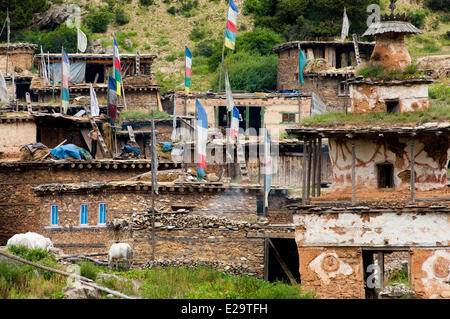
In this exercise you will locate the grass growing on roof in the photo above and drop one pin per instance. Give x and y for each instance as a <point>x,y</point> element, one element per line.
<point>437,111</point>
<point>143,115</point>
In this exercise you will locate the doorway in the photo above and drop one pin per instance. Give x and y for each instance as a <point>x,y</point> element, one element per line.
<point>92,70</point>
<point>281,260</point>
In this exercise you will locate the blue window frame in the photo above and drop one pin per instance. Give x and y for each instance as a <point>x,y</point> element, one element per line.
<point>84,215</point>
<point>102,213</point>
<point>54,215</point>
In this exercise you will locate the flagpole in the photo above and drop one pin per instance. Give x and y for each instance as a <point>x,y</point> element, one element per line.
<point>153,187</point>
<point>8,30</point>
<point>223,52</point>
<point>62,49</point>
<point>228,132</point>
<point>298,94</point>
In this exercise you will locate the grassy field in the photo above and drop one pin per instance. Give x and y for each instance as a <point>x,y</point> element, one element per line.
<point>20,281</point>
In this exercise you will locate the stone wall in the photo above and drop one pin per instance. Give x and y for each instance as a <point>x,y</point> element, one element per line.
<point>273,105</point>
<point>332,272</point>
<point>14,134</point>
<point>431,155</point>
<point>367,98</point>
<point>20,56</point>
<point>430,271</point>
<point>213,227</point>
<point>18,202</point>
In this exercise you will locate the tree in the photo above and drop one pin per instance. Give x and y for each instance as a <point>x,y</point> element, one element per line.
<point>21,12</point>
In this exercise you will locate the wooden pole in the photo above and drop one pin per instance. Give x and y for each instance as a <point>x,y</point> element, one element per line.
<point>314,167</point>
<point>298,83</point>
<point>308,183</point>
<point>380,258</point>
<point>54,147</point>
<point>353,173</point>
<point>304,171</point>
<point>282,263</point>
<point>413,177</point>
<point>153,188</point>
<point>223,53</point>
<point>319,173</point>
<point>8,31</point>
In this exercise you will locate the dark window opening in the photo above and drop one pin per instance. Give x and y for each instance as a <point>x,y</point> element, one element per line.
<point>288,252</point>
<point>92,70</point>
<point>254,118</point>
<point>385,174</point>
<point>21,91</point>
<point>392,107</point>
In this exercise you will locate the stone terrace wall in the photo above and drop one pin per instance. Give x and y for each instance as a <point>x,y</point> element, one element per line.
<point>18,202</point>
<point>215,232</point>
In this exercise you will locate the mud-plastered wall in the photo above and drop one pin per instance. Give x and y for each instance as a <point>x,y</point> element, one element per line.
<point>431,156</point>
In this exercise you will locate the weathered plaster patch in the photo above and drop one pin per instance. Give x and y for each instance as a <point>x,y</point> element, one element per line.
<point>329,265</point>
<point>406,229</point>
<point>437,272</point>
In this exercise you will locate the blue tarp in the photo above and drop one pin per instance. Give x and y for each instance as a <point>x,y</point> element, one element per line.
<point>166,146</point>
<point>77,72</point>
<point>128,149</point>
<point>70,150</point>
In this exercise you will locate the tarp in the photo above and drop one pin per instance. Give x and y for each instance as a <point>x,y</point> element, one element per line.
<point>70,150</point>
<point>166,146</point>
<point>77,72</point>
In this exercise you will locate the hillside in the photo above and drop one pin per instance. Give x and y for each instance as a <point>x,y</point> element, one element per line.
<point>163,27</point>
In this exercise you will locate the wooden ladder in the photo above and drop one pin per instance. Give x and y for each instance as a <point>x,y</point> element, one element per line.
<point>241,161</point>
<point>106,152</point>
<point>355,44</point>
<point>131,133</point>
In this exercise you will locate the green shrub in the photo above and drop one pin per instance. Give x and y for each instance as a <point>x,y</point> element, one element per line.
<point>98,19</point>
<point>418,18</point>
<point>197,34</point>
<point>443,5</point>
<point>21,12</point>
<point>28,254</point>
<point>371,71</point>
<point>121,17</point>
<point>146,3</point>
<point>250,72</point>
<point>439,91</point>
<point>172,10</point>
<point>204,48</point>
<point>88,270</point>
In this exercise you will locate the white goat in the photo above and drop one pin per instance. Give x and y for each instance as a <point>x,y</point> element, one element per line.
<point>31,241</point>
<point>119,251</point>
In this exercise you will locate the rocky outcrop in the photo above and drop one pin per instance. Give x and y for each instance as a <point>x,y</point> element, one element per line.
<point>53,17</point>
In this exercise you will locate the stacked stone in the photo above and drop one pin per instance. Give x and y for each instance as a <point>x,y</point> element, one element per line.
<point>229,268</point>
<point>179,220</point>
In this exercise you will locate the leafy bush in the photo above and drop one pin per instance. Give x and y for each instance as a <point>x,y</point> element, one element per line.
<point>439,91</point>
<point>21,12</point>
<point>88,270</point>
<point>250,72</point>
<point>418,18</point>
<point>121,17</point>
<point>172,10</point>
<point>443,5</point>
<point>146,3</point>
<point>204,48</point>
<point>98,19</point>
<point>380,73</point>
<point>197,34</point>
<point>28,254</point>
<point>306,19</point>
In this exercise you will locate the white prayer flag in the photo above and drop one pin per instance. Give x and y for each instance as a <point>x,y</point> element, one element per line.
<point>174,124</point>
<point>3,89</point>
<point>95,111</point>
<point>345,26</point>
<point>82,40</point>
<point>229,96</point>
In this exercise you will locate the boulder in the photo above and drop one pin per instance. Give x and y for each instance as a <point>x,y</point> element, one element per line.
<point>80,291</point>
